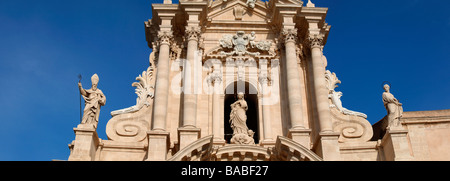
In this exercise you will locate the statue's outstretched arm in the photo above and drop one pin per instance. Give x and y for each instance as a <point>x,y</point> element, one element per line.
<point>82,91</point>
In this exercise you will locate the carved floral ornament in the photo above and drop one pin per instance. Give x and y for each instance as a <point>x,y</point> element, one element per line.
<point>289,34</point>
<point>165,37</point>
<point>315,40</point>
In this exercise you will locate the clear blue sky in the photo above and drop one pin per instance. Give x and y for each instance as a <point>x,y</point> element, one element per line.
<point>45,44</point>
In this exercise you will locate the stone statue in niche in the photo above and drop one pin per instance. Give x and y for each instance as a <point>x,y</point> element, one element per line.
<point>238,122</point>
<point>394,108</point>
<point>94,99</point>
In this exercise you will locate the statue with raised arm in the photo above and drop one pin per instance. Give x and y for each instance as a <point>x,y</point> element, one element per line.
<point>238,122</point>
<point>394,108</point>
<point>94,99</point>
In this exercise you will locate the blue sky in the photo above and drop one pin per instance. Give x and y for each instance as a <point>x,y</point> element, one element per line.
<point>45,44</point>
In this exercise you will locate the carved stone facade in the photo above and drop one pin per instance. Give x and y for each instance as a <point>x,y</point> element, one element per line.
<point>205,52</point>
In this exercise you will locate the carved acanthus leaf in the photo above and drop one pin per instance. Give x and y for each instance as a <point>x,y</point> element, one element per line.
<point>315,40</point>
<point>144,90</point>
<point>193,32</point>
<point>165,37</point>
<point>289,34</point>
<point>335,97</point>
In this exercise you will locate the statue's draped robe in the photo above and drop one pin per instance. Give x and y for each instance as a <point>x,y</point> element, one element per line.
<point>238,118</point>
<point>393,107</point>
<point>93,101</point>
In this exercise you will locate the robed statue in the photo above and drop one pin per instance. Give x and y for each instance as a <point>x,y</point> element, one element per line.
<point>94,99</point>
<point>238,122</point>
<point>394,108</point>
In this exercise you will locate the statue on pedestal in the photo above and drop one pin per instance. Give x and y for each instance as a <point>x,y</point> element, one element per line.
<point>394,108</point>
<point>238,122</point>
<point>94,99</point>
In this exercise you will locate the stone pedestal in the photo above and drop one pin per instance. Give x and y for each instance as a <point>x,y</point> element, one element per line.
<point>328,147</point>
<point>395,145</point>
<point>301,136</point>
<point>85,144</point>
<point>187,136</point>
<point>158,145</point>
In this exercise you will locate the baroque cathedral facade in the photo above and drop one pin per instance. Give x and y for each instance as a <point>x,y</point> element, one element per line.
<point>247,80</point>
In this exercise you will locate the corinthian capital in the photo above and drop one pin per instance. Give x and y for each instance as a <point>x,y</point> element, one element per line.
<point>165,37</point>
<point>289,34</point>
<point>315,40</point>
<point>193,32</point>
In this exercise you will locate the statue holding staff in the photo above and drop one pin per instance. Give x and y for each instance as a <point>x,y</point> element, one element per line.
<point>94,99</point>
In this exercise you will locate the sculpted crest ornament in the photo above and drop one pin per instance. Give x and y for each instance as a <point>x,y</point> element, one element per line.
<point>240,43</point>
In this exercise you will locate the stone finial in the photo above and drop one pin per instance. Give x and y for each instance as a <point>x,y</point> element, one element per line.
<point>310,4</point>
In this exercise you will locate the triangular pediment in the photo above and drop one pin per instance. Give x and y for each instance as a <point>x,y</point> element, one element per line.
<point>239,11</point>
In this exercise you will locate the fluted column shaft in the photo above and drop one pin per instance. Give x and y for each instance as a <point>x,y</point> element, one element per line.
<point>162,82</point>
<point>293,79</point>
<point>318,65</point>
<point>190,96</point>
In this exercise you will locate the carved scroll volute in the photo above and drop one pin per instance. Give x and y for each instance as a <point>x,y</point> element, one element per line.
<point>131,124</point>
<point>352,128</point>
<point>131,127</point>
<point>352,125</point>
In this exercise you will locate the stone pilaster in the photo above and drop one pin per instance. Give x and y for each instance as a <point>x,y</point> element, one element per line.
<point>159,143</point>
<point>216,82</point>
<point>264,81</point>
<point>395,145</point>
<point>328,148</point>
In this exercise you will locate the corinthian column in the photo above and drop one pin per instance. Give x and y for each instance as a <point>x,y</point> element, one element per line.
<point>318,66</point>
<point>162,82</point>
<point>190,96</point>
<point>293,79</point>
<point>188,133</point>
<point>158,137</point>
